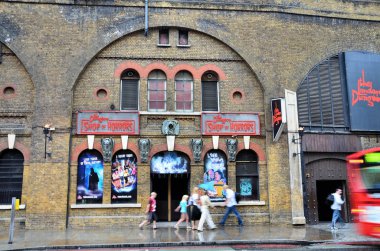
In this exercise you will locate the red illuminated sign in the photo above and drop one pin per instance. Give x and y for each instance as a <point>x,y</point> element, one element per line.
<point>230,124</point>
<point>365,92</point>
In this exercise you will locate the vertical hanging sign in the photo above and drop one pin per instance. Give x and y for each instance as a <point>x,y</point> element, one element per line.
<point>278,117</point>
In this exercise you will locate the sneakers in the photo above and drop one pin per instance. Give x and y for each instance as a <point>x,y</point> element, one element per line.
<point>333,228</point>
<point>188,227</point>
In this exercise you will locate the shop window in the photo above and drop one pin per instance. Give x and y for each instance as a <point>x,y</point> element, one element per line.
<point>163,37</point>
<point>11,175</point>
<point>183,38</point>
<point>124,177</point>
<point>157,91</point>
<point>215,174</point>
<point>321,97</point>
<point>129,90</point>
<point>90,178</point>
<point>184,92</point>
<point>247,175</point>
<point>210,97</point>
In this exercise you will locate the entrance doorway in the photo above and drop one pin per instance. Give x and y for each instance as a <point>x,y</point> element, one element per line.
<point>169,188</point>
<point>324,188</point>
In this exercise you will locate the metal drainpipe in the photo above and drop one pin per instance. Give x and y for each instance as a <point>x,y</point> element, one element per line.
<point>146,18</point>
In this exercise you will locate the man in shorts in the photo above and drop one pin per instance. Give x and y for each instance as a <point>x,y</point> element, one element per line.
<point>150,211</point>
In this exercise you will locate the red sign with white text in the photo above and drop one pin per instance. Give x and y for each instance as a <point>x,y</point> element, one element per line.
<point>115,123</point>
<point>230,124</point>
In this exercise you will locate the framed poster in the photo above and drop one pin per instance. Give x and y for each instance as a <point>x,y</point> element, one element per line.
<point>215,174</point>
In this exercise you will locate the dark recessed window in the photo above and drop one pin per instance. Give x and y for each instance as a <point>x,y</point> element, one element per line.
<point>101,93</point>
<point>183,37</point>
<point>9,90</point>
<point>163,38</point>
<point>247,175</point>
<point>210,97</point>
<point>129,90</point>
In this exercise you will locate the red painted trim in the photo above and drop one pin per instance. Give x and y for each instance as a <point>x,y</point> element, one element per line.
<point>209,146</point>
<point>76,151</point>
<point>129,65</point>
<point>20,147</point>
<point>8,96</point>
<point>96,93</point>
<point>186,67</point>
<point>242,100</point>
<point>177,147</point>
<point>131,146</point>
<point>254,147</point>
<point>214,68</point>
<point>158,66</point>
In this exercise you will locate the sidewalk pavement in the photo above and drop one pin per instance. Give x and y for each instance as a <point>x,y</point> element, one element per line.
<point>166,236</point>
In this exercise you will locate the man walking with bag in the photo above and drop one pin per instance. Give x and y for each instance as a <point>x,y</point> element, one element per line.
<point>231,206</point>
<point>336,207</point>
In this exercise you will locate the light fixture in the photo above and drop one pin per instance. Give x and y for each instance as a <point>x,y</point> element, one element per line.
<point>300,133</point>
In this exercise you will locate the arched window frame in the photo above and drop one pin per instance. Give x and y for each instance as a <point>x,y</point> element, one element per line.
<point>129,90</point>
<point>157,82</point>
<point>210,92</point>
<point>247,170</point>
<point>184,90</point>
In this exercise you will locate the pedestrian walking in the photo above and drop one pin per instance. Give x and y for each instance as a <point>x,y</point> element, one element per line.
<point>193,209</point>
<point>205,216</point>
<point>182,208</point>
<point>231,206</point>
<point>150,211</point>
<point>336,207</point>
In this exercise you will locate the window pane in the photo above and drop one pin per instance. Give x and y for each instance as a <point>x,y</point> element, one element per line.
<point>129,94</point>
<point>210,96</point>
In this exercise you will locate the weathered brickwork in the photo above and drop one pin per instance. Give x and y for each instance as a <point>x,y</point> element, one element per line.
<point>57,54</point>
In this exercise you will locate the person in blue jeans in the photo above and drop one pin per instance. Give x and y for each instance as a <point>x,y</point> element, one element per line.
<point>231,205</point>
<point>336,207</point>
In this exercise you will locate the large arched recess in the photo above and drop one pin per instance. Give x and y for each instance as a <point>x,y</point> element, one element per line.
<point>140,52</point>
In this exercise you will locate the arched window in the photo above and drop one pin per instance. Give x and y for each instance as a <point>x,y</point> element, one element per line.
<point>215,174</point>
<point>321,97</point>
<point>90,177</point>
<point>184,92</point>
<point>210,90</point>
<point>247,175</point>
<point>157,91</point>
<point>11,175</point>
<point>129,90</point>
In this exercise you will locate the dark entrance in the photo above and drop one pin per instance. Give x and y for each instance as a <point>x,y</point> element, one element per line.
<point>169,188</point>
<point>324,188</point>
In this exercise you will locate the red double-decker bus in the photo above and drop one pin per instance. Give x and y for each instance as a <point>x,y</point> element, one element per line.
<point>363,171</point>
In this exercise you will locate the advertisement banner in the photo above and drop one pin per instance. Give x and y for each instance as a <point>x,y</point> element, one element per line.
<point>230,124</point>
<point>215,174</point>
<point>363,89</point>
<point>115,123</point>
<point>90,178</point>
<point>170,162</point>
<point>124,177</point>
<point>278,117</point>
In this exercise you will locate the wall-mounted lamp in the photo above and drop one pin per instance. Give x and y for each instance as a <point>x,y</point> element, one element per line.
<point>47,132</point>
<point>300,133</point>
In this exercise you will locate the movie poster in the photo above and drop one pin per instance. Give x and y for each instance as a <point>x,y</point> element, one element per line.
<point>170,162</point>
<point>215,175</point>
<point>124,177</point>
<point>90,178</point>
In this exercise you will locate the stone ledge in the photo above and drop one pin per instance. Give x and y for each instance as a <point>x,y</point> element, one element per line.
<point>243,203</point>
<point>9,207</point>
<point>79,206</point>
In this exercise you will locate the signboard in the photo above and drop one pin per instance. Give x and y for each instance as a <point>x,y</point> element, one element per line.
<point>230,124</point>
<point>124,177</point>
<point>115,123</point>
<point>170,162</point>
<point>278,117</point>
<point>363,88</point>
<point>215,174</point>
<point>90,177</point>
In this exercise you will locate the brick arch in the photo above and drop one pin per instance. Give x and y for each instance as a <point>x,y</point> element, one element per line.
<point>82,147</point>
<point>177,147</point>
<point>214,68</point>
<point>254,147</point>
<point>209,146</point>
<point>131,146</point>
<point>128,65</point>
<point>157,66</point>
<point>20,147</point>
<point>186,67</point>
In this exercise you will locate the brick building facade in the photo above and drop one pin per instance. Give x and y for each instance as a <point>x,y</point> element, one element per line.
<point>60,59</point>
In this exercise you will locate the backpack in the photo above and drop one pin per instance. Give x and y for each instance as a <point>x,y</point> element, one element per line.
<point>237,197</point>
<point>330,199</point>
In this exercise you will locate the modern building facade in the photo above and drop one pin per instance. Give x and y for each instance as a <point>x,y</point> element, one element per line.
<point>103,102</point>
